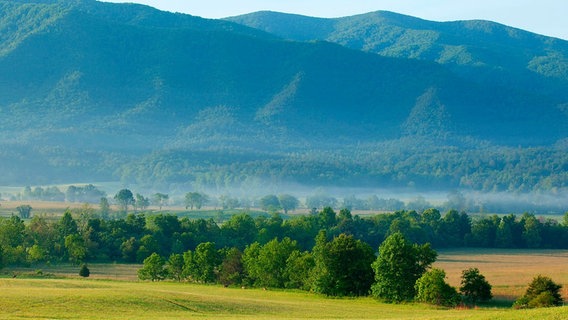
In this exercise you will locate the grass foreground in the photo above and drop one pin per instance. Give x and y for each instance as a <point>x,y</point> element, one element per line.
<point>108,299</point>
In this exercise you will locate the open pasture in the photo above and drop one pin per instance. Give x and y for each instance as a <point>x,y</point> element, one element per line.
<point>96,299</point>
<point>102,297</point>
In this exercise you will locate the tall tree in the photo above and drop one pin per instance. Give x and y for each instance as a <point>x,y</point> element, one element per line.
<point>67,225</point>
<point>195,200</point>
<point>298,270</point>
<point>124,198</point>
<point>531,232</point>
<point>104,207</point>
<point>266,264</point>
<point>231,271</point>
<point>240,230</point>
<point>76,248</point>
<point>270,203</point>
<point>202,265</point>
<point>12,232</point>
<point>288,202</point>
<point>160,199</point>
<point>141,202</point>
<point>328,218</point>
<point>342,266</point>
<point>398,266</point>
<point>24,211</point>
<point>174,267</point>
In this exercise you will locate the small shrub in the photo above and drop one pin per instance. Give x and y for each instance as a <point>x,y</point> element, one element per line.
<point>84,271</point>
<point>543,300</point>
<point>432,288</point>
<point>542,292</point>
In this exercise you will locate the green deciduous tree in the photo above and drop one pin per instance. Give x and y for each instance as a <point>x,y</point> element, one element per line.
<point>1,257</point>
<point>202,265</point>
<point>124,198</point>
<point>153,268</point>
<point>240,229</point>
<point>231,271</point>
<point>432,288</point>
<point>160,199</point>
<point>76,248</point>
<point>265,265</point>
<point>12,232</point>
<point>398,266</point>
<point>298,270</point>
<point>342,266</point>
<point>328,218</point>
<point>174,267</point>
<point>531,233</point>
<point>104,208</point>
<point>141,202</point>
<point>474,287</point>
<point>288,202</point>
<point>195,200</point>
<point>24,211</point>
<point>270,203</point>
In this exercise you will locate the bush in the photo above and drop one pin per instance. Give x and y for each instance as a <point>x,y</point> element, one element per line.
<point>544,299</point>
<point>542,292</point>
<point>84,271</point>
<point>432,288</point>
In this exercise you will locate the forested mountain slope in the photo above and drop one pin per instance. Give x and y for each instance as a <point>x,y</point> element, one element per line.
<point>482,51</point>
<point>94,91</point>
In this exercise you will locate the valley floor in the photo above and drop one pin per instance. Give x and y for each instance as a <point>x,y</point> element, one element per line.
<point>112,292</point>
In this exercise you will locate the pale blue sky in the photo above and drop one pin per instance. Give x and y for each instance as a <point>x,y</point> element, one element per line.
<point>548,17</point>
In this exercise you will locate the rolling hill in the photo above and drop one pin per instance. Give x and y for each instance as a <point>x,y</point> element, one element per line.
<point>93,91</point>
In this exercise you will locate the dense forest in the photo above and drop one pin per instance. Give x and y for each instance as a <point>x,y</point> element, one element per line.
<point>410,162</point>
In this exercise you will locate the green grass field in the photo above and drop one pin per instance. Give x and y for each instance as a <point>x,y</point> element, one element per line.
<point>112,292</point>
<point>105,299</point>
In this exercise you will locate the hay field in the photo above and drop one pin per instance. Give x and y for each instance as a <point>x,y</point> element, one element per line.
<point>509,271</point>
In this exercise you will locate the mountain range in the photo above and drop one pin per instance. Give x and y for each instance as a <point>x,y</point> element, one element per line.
<point>94,91</point>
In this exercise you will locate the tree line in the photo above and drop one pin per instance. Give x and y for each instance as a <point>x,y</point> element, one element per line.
<point>342,266</point>
<point>86,234</point>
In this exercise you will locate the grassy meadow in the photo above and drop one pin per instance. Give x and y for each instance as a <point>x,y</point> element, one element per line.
<point>112,292</point>
<point>105,299</point>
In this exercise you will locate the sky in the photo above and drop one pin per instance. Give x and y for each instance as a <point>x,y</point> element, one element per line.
<point>547,17</point>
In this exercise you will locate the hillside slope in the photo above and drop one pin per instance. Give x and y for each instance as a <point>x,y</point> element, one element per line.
<point>89,90</point>
<point>484,51</point>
